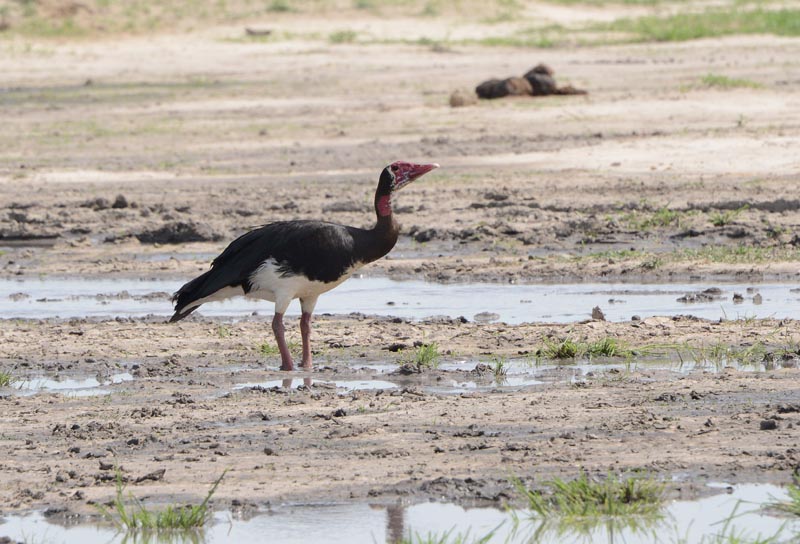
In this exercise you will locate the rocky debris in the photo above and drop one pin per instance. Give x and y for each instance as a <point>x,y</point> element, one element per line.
<point>707,295</point>
<point>538,81</point>
<point>461,98</point>
<point>597,314</point>
<point>179,232</point>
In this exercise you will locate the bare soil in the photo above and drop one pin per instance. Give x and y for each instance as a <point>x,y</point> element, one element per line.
<point>142,157</point>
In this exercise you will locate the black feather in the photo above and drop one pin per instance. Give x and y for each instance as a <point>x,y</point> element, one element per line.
<point>318,250</point>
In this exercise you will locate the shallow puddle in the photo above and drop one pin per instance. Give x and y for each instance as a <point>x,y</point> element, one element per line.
<point>485,302</point>
<point>683,521</point>
<point>76,387</point>
<point>343,385</point>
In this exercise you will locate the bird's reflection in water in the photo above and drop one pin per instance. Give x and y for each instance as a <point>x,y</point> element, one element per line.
<point>286,383</point>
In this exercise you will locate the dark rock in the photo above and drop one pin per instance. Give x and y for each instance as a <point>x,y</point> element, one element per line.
<point>768,425</point>
<point>120,202</point>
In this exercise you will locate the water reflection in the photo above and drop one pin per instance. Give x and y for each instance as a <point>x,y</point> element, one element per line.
<point>689,522</point>
<point>286,383</point>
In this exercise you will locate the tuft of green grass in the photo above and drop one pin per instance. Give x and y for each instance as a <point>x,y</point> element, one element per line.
<point>726,217</point>
<point>223,331</point>
<point>279,6</point>
<point>6,379</point>
<point>342,36</point>
<point>499,368</point>
<point>566,348</point>
<point>792,505</point>
<point>725,82</point>
<point>427,356</point>
<point>136,517</point>
<point>711,23</point>
<point>608,347</point>
<point>583,497</point>
<point>448,537</point>
<point>267,350</point>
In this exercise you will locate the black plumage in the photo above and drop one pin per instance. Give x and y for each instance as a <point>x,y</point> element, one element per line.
<point>298,259</point>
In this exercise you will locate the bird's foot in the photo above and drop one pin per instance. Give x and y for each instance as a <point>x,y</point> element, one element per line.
<point>287,365</point>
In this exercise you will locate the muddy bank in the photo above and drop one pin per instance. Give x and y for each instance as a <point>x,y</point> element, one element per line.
<point>189,410</point>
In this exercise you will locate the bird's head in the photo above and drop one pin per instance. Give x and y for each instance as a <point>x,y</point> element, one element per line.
<point>399,174</point>
<point>396,176</point>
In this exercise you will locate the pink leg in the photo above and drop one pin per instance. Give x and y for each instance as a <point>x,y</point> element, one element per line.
<point>305,333</point>
<point>278,329</point>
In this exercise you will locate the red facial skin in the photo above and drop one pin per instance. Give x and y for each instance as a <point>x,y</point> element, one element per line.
<point>404,173</point>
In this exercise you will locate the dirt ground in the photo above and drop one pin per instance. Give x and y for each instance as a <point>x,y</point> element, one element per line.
<point>143,156</point>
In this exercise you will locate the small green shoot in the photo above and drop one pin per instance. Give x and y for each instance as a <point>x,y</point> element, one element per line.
<point>726,217</point>
<point>792,505</point>
<point>448,537</point>
<point>136,517</point>
<point>223,331</point>
<point>6,379</point>
<point>279,6</point>
<point>427,356</point>
<point>342,36</point>
<point>499,369</point>
<point>268,350</point>
<point>725,82</point>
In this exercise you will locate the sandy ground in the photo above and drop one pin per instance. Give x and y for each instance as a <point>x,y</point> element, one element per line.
<point>221,134</point>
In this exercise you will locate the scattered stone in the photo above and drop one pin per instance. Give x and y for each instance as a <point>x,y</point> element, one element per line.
<point>269,451</point>
<point>120,202</point>
<point>597,314</point>
<point>155,476</point>
<point>738,298</point>
<point>768,425</point>
<point>461,98</point>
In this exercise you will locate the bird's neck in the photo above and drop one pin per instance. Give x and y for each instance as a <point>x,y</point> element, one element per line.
<point>386,230</point>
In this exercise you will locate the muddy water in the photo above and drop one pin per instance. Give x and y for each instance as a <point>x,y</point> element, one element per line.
<point>562,303</point>
<point>77,387</point>
<point>689,521</point>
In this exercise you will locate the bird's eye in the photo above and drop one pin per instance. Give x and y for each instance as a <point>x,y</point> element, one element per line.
<point>394,168</point>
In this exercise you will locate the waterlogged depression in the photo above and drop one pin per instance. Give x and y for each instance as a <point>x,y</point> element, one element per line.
<point>510,303</point>
<point>735,511</point>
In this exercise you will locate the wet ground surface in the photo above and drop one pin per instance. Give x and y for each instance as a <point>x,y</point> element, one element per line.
<point>483,302</point>
<point>114,167</point>
<point>691,520</point>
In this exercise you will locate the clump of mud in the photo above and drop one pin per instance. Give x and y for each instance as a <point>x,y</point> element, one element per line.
<point>179,232</point>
